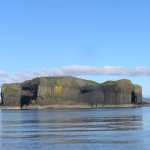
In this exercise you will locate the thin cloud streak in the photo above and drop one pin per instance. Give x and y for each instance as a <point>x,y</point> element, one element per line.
<point>75,70</point>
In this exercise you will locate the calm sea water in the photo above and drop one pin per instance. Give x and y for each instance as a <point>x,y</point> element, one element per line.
<point>85,129</point>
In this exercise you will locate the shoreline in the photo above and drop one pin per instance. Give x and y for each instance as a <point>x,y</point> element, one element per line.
<point>38,107</point>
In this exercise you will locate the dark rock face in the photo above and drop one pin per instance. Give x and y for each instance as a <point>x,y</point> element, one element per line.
<point>70,90</point>
<point>138,94</point>
<point>29,92</point>
<point>117,92</point>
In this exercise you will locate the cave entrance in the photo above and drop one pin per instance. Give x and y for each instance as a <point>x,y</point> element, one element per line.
<point>29,93</point>
<point>25,101</point>
<point>133,98</point>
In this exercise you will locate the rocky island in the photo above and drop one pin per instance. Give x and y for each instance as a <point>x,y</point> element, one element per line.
<point>49,91</point>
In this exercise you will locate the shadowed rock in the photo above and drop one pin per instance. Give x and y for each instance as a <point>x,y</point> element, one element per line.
<point>137,89</point>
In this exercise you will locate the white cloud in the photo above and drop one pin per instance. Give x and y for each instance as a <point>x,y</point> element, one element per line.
<point>75,70</point>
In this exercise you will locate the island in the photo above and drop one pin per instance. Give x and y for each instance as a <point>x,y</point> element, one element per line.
<point>70,91</point>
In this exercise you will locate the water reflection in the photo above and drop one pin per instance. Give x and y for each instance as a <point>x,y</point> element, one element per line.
<point>73,129</point>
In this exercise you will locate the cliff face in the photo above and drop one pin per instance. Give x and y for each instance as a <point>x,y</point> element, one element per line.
<point>70,90</point>
<point>10,94</point>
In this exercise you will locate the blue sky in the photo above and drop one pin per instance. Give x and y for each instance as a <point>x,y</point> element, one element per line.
<point>38,35</point>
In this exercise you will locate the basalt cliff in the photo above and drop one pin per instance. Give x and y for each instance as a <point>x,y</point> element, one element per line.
<point>70,91</point>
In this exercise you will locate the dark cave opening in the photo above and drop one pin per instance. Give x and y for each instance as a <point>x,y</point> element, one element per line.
<point>87,89</point>
<point>25,101</point>
<point>29,93</point>
<point>133,98</point>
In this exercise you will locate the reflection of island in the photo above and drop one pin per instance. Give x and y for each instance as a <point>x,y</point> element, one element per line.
<point>42,129</point>
<point>123,123</point>
<point>105,121</point>
<point>70,91</point>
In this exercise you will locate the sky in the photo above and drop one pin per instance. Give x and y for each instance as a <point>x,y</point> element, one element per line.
<point>92,39</point>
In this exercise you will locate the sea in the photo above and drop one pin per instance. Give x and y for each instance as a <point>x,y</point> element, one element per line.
<point>75,129</point>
